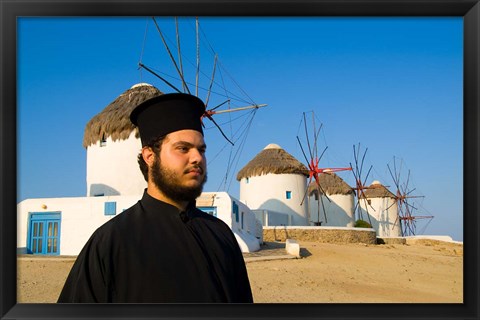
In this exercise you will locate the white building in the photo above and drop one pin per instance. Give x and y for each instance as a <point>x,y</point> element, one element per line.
<point>273,184</point>
<point>247,229</point>
<point>62,225</point>
<point>56,226</point>
<point>338,204</point>
<point>381,206</point>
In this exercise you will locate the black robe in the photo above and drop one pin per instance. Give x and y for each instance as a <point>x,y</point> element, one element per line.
<point>154,253</point>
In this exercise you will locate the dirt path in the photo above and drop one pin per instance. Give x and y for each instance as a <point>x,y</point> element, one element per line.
<point>362,273</point>
<point>425,272</point>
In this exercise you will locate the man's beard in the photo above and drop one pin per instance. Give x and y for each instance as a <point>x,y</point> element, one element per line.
<point>167,181</point>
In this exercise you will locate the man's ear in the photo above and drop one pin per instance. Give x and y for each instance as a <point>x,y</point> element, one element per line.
<point>148,155</point>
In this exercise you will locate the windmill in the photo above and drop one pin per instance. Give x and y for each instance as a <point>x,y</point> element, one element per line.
<point>189,64</point>
<point>406,207</point>
<point>313,159</point>
<point>360,183</point>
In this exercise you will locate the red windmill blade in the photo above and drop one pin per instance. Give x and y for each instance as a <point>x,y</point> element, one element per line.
<point>313,169</point>
<point>313,165</point>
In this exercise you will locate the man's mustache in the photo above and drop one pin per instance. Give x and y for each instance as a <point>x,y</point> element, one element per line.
<point>194,169</point>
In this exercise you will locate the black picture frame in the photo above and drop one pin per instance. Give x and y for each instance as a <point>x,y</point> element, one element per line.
<point>10,10</point>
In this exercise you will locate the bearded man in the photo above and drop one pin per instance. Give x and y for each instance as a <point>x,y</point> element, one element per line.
<point>163,249</point>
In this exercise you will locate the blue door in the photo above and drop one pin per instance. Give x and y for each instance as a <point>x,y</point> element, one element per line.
<point>44,233</point>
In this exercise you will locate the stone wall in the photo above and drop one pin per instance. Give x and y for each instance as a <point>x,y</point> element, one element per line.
<point>320,234</point>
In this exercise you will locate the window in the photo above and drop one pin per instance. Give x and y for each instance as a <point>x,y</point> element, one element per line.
<point>235,210</point>
<point>288,195</point>
<point>247,180</point>
<point>210,210</point>
<point>103,141</point>
<point>110,208</point>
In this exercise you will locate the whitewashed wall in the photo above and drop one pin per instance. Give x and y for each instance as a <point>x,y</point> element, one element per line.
<point>113,168</point>
<point>246,235</point>
<point>269,192</point>
<point>339,210</point>
<point>271,218</point>
<point>80,217</point>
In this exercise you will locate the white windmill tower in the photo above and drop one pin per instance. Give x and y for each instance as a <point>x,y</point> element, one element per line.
<point>275,181</point>
<point>113,143</point>
<point>380,204</point>
<point>339,210</point>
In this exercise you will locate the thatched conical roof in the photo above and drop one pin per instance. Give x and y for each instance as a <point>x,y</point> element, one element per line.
<point>377,190</point>
<point>114,120</point>
<point>331,184</point>
<point>272,159</point>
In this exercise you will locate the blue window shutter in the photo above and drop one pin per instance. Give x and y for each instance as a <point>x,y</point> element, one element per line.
<point>235,210</point>
<point>288,194</point>
<point>110,208</point>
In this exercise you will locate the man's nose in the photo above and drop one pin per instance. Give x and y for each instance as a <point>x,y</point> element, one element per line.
<point>196,156</point>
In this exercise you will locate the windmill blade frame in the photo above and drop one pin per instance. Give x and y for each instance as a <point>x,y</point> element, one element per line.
<point>360,184</point>
<point>404,207</point>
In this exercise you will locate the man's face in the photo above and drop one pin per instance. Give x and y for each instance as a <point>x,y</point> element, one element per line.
<point>180,170</point>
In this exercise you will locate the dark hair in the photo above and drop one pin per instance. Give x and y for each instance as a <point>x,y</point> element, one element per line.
<point>156,145</point>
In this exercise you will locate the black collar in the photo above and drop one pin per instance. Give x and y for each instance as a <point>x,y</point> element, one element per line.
<point>153,205</point>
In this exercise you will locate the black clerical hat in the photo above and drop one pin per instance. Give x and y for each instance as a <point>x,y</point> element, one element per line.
<point>161,115</point>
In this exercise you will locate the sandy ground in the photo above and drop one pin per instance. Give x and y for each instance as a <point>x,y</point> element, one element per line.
<point>426,272</point>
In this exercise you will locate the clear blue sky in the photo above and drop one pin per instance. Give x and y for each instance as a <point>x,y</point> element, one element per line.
<point>394,85</point>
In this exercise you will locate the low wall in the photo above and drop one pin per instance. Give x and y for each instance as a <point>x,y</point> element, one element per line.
<point>320,234</point>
